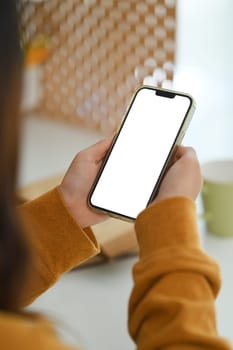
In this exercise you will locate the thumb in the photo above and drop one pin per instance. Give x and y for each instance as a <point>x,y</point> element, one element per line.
<point>97,151</point>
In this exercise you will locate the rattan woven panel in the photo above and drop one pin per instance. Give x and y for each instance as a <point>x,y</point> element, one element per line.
<point>101,51</point>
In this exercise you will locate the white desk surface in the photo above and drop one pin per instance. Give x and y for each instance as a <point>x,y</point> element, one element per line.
<point>93,301</point>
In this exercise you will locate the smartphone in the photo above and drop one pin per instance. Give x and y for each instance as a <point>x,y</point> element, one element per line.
<point>154,124</point>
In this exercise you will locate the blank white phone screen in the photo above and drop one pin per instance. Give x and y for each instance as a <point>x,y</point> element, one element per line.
<point>140,152</point>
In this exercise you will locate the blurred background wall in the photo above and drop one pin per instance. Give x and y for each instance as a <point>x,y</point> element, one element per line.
<point>203,67</point>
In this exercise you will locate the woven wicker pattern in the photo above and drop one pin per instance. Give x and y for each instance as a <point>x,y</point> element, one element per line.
<point>101,51</point>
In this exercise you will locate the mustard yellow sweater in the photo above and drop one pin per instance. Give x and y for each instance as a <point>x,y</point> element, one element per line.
<point>175,282</point>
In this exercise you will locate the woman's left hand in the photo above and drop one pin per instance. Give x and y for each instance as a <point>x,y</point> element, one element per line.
<point>78,180</point>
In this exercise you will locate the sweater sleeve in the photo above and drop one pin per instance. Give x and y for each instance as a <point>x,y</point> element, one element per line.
<point>57,242</point>
<point>172,305</point>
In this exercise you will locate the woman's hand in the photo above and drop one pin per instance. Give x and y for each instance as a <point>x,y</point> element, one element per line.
<point>182,179</point>
<point>78,180</point>
<point>184,176</point>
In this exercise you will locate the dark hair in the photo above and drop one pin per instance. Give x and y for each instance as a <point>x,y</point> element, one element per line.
<point>13,248</point>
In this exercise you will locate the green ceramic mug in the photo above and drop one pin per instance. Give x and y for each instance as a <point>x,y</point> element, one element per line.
<point>217,197</point>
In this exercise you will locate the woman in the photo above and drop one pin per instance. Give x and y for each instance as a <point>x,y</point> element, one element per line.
<point>172,302</point>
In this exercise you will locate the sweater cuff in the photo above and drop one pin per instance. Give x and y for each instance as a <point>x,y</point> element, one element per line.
<point>169,222</point>
<point>55,236</point>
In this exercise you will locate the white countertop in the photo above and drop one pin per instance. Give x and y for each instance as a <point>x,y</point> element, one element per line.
<point>93,301</point>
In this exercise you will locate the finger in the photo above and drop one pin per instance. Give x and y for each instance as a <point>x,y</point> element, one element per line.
<point>180,152</point>
<point>97,151</point>
<point>189,152</point>
<point>183,151</point>
<point>177,155</point>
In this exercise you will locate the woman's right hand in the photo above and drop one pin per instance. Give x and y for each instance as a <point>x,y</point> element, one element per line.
<point>183,178</point>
